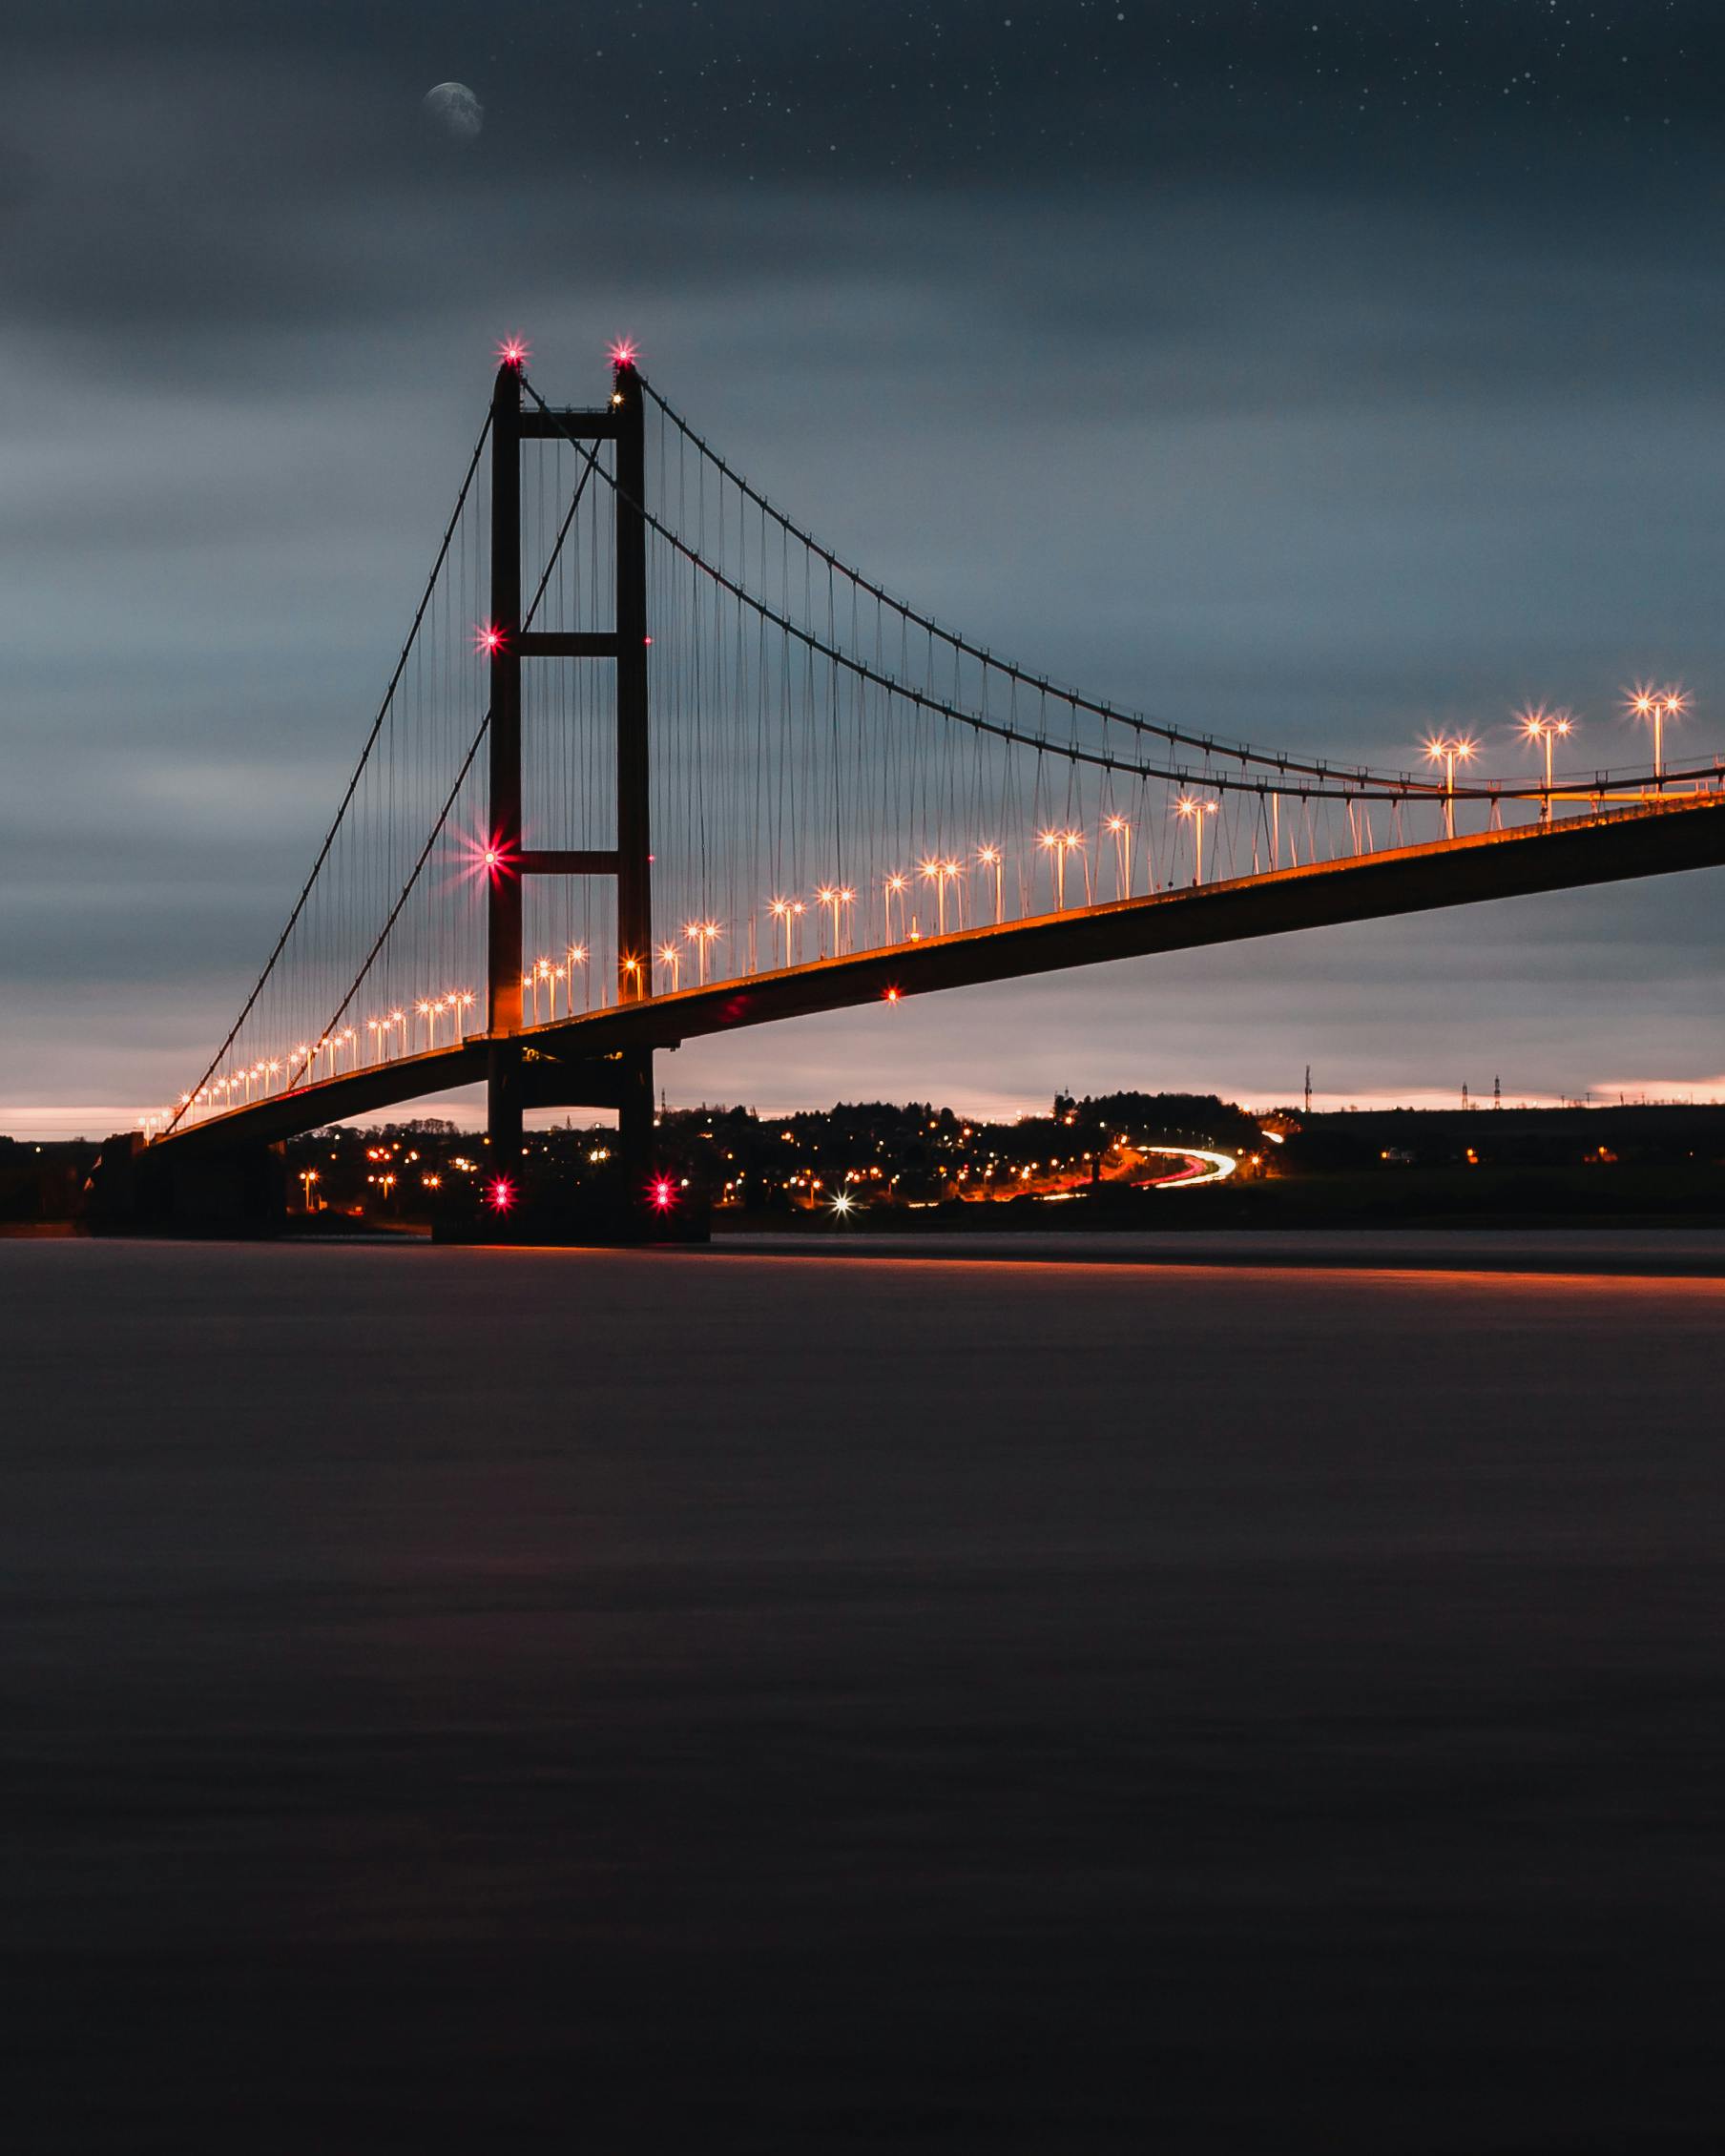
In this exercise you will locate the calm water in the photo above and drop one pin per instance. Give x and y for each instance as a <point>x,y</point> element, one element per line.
<point>698,1701</point>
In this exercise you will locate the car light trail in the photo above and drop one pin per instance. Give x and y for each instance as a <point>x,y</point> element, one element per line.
<point>1207,1166</point>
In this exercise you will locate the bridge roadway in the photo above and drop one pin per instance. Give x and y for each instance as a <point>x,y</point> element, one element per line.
<point>566,1061</point>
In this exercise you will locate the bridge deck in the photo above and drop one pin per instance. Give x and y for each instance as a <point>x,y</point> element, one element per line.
<point>568,1058</point>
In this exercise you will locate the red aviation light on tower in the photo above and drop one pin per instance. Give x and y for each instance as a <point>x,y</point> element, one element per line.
<point>489,855</point>
<point>514,352</point>
<point>661,1194</point>
<point>500,1194</point>
<point>489,639</point>
<point>624,352</point>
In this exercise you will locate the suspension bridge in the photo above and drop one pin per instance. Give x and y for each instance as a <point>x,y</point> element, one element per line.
<point>655,763</point>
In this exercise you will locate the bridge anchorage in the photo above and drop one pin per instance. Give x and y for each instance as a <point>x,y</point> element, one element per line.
<point>845,804</point>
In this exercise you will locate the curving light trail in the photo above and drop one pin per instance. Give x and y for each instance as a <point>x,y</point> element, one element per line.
<point>1206,1167</point>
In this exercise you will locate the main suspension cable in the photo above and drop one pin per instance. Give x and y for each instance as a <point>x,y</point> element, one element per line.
<point>1332,785</point>
<point>1180,736</point>
<point>377,727</point>
<point>443,813</point>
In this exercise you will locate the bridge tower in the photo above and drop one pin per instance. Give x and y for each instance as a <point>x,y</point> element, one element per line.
<point>629,1087</point>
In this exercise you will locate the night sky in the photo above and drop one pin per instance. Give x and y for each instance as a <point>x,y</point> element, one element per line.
<point>1315,374</point>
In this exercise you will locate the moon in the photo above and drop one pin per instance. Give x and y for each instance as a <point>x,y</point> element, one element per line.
<point>453,111</point>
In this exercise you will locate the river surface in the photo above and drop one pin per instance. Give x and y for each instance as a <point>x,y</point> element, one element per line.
<point>728,1701</point>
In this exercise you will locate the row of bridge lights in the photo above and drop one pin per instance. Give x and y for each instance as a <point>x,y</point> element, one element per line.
<point>1543,728</point>
<point>1540,729</point>
<point>542,981</point>
<point>322,1058</point>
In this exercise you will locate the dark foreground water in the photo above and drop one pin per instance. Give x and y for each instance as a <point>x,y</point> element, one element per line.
<point>698,1701</point>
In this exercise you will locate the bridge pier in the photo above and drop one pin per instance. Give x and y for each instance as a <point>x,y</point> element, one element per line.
<point>503,1103</point>
<point>635,1124</point>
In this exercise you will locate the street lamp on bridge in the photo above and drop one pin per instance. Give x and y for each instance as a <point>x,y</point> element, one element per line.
<point>1060,843</point>
<point>701,934</point>
<point>1119,829</point>
<point>1542,727</point>
<point>834,898</point>
<point>1194,812</point>
<point>940,873</point>
<point>1658,705</point>
<point>787,912</point>
<point>991,857</point>
<point>1449,750</point>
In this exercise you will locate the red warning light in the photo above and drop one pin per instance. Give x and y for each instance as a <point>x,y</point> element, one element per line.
<point>513,352</point>
<point>623,352</point>
<point>487,639</point>
<point>662,1190</point>
<point>892,995</point>
<point>500,1194</point>
<point>489,854</point>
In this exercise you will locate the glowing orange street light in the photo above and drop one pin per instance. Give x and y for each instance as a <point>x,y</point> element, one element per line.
<point>895,886</point>
<point>1119,830</point>
<point>785,911</point>
<point>669,956</point>
<point>576,955</point>
<point>701,934</point>
<point>834,896</point>
<point>991,857</point>
<point>1658,705</point>
<point>1542,727</point>
<point>1060,843</point>
<point>1194,812</point>
<point>1449,750</point>
<point>938,873</point>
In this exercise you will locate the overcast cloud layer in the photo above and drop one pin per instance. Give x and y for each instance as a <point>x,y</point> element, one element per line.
<point>1311,374</point>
